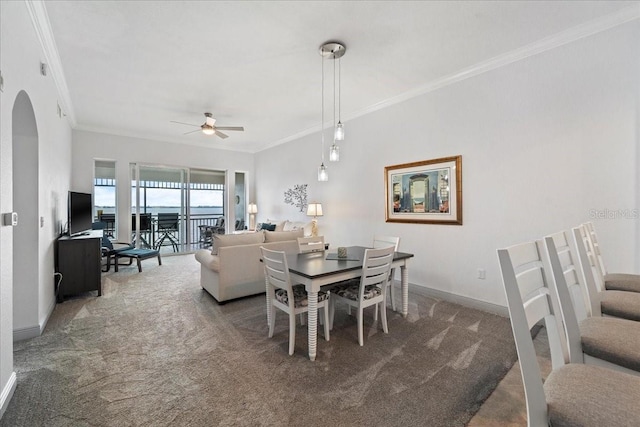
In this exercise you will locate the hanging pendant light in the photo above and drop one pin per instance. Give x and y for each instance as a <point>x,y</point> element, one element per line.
<point>334,151</point>
<point>323,175</point>
<point>339,133</point>
<point>331,50</point>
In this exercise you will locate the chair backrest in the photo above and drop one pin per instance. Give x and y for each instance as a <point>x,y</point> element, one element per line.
<point>239,224</point>
<point>167,221</point>
<point>145,222</point>
<point>530,299</point>
<point>588,258</point>
<point>98,225</point>
<point>570,267</point>
<point>384,241</point>
<point>310,244</point>
<point>276,270</point>
<point>220,221</point>
<point>595,247</point>
<point>376,268</point>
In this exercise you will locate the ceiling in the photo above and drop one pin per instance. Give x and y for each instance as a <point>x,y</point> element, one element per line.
<point>132,67</point>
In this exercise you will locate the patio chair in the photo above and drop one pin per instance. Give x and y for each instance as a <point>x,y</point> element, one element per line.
<point>167,229</point>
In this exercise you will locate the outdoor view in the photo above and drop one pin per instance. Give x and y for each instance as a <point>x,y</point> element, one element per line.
<point>163,191</point>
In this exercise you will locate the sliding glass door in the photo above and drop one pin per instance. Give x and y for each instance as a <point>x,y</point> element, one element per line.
<point>172,207</point>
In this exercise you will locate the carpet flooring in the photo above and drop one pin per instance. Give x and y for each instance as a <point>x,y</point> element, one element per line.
<point>157,350</point>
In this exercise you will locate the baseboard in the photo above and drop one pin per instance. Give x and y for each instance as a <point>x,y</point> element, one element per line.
<point>52,307</point>
<point>462,300</point>
<point>26,333</point>
<point>7,393</point>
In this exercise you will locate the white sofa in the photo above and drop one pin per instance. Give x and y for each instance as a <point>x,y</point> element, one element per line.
<point>232,268</point>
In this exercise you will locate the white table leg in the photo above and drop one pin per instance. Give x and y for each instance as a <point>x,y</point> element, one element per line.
<point>266,283</point>
<point>312,321</point>
<point>404,274</point>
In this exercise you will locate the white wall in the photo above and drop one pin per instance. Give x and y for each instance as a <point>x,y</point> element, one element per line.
<point>88,146</point>
<point>20,60</point>
<point>544,141</point>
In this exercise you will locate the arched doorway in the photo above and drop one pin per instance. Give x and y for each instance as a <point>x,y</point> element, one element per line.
<point>26,263</point>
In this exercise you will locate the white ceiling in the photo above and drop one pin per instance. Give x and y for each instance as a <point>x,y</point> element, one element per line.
<point>132,67</point>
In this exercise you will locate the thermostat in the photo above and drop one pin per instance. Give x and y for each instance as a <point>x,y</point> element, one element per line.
<point>10,218</point>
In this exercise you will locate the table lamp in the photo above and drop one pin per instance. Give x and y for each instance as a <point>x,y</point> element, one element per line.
<point>314,210</point>
<point>253,210</point>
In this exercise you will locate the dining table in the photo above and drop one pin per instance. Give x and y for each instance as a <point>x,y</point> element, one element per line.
<point>316,270</point>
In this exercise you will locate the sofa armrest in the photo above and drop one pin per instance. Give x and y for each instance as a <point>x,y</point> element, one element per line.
<point>204,257</point>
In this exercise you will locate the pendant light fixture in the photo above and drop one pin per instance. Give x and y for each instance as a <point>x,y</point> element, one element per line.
<point>334,151</point>
<point>323,175</point>
<point>339,134</point>
<point>331,50</point>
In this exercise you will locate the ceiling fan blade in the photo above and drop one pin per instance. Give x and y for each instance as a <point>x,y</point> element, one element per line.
<point>183,123</point>
<point>221,135</point>
<point>193,131</point>
<point>230,127</point>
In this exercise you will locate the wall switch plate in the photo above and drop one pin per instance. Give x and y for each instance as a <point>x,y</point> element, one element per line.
<point>482,273</point>
<point>10,218</point>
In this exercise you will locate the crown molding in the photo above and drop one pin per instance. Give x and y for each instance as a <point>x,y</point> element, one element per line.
<point>559,39</point>
<point>562,38</point>
<point>40,21</point>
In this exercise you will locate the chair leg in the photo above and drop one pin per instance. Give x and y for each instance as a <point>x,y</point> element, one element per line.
<point>139,264</point>
<point>360,327</point>
<point>159,260</point>
<point>393,298</point>
<point>375,313</point>
<point>273,320</point>
<point>292,333</point>
<point>116,261</point>
<point>332,311</point>
<point>383,316</point>
<point>326,320</point>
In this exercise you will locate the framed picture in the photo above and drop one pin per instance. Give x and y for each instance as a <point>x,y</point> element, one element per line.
<point>428,192</point>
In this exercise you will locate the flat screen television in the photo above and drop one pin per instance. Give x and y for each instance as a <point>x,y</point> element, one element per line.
<point>80,211</point>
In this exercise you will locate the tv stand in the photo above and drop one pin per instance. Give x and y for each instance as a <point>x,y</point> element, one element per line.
<point>78,259</point>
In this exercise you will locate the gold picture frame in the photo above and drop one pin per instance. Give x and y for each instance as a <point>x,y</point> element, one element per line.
<point>426,192</point>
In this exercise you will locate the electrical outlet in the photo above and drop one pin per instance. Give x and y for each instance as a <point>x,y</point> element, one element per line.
<point>482,273</point>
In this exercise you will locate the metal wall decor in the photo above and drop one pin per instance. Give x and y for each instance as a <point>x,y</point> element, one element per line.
<point>297,196</point>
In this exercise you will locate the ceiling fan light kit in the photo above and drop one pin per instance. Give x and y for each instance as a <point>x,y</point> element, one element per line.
<point>209,127</point>
<point>335,51</point>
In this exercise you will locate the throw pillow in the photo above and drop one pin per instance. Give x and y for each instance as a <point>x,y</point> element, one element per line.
<point>281,236</point>
<point>292,225</point>
<point>222,240</point>
<point>268,227</point>
<point>279,224</point>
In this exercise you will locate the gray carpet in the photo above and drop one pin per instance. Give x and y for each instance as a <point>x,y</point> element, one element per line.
<point>157,350</point>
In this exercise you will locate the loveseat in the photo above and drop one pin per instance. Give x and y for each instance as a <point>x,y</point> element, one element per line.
<point>232,268</point>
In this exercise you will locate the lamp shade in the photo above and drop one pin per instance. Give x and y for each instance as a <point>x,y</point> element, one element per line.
<point>314,209</point>
<point>253,208</point>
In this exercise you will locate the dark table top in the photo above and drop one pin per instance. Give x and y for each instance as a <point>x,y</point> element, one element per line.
<point>315,264</point>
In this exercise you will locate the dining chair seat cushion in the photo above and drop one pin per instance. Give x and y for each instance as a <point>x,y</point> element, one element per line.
<point>299,295</point>
<point>582,395</point>
<point>350,291</point>
<point>620,304</point>
<point>611,339</point>
<point>622,282</point>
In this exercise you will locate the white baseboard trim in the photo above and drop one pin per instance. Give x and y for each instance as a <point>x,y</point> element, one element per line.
<point>462,300</point>
<point>26,333</point>
<point>7,393</point>
<point>35,330</point>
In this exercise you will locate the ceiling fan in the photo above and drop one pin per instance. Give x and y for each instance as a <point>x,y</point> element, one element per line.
<point>209,127</point>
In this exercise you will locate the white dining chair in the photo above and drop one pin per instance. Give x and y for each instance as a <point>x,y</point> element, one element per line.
<point>573,393</point>
<point>382,242</point>
<point>616,303</point>
<point>292,299</point>
<point>310,244</point>
<point>368,290</point>
<point>604,341</point>
<point>604,279</point>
